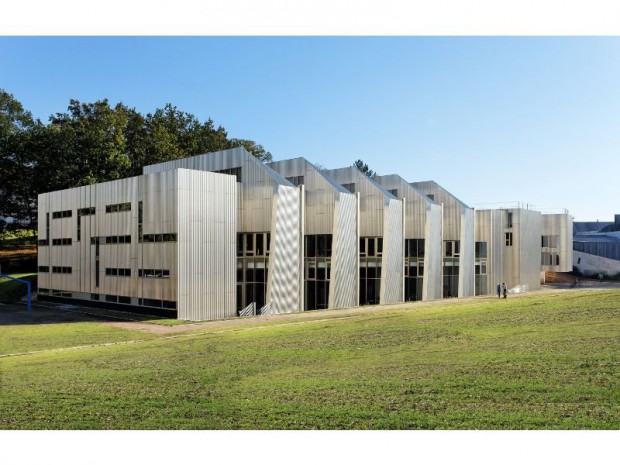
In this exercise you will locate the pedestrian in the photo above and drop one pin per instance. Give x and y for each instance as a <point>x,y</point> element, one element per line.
<point>499,291</point>
<point>600,277</point>
<point>505,288</point>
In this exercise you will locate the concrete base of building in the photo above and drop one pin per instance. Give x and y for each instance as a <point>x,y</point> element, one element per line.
<point>149,311</point>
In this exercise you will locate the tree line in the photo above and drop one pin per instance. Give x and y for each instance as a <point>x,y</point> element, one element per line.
<point>92,143</point>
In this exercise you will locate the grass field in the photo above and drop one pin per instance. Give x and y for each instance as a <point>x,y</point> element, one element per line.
<point>544,361</point>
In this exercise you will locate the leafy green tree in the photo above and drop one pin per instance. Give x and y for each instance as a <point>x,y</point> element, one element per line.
<point>17,165</point>
<point>255,149</point>
<point>363,167</point>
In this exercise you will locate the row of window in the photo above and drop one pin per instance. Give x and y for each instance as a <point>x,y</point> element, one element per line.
<point>62,214</point>
<point>103,240</point>
<point>172,237</point>
<point>118,207</point>
<point>118,271</point>
<point>56,269</point>
<point>550,259</point>
<point>86,211</point>
<point>63,241</point>
<point>151,273</point>
<point>253,244</point>
<point>371,246</point>
<point>550,241</point>
<point>414,248</point>
<point>319,245</point>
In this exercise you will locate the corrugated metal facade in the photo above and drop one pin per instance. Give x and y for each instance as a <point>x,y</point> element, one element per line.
<point>186,237</point>
<point>329,210</point>
<point>108,261</point>
<point>267,203</point>
<point>458,225</point>
<point>560,225</point>
<point>380,216</point>
<point>422,221</point>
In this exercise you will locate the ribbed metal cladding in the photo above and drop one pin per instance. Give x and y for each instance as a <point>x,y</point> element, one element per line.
<point>458,225</point>
<point>393,253</point>
<point>432,253</point>
<point>423,221</point>
<point>207,225</point>
<point>345,281</point>
<point>261,209</point>
<point>562,226</point>
<point>466,260</point>
<point>283,284</point>
<point>380,215</point>
<point>490,229</point>
<point>522,258</point>
<point>329,209</point>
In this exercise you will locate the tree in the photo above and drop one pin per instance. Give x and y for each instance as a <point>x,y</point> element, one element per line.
<point>363,167</point>
<point>16,162</point>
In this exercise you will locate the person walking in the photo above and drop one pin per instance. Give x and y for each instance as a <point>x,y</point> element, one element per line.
<point>499,291</point>
<point>505,288</point>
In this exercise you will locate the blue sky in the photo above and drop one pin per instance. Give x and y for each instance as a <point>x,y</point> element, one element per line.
<point>534,120</point>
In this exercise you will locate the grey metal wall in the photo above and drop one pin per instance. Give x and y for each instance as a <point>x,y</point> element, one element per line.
<point>207,216</point>
<point>380,215</point>
<point>195,206</point>
<point>458,225</point>
<point>261,209</point>
<point>345,278</point>
<point>561,225</point>
<point>283,289</point>
<point>392,271</point>
<point>422,221</point>
<point>466,260</point>
<point>522,259</point>
<point>329,209</point>
<point>490,229</point>
<point>610,250</point>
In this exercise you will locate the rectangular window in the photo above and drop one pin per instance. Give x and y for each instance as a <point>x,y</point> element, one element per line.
<point>508,239</point>
<point>61,269</point>
<point>86,211</point>
<point>236,172</point>
<point>431,196</point>
<point>481,250</point>
<point>118,207</point>
<point>394,192</point>
<point>296,180</point>
<point>43,242</point>
<point>350,187</point>
<point>509,219</point>
<point>65,241</point>
<point>62,214</point>
<point>44,269</point>
<point>150,238</point>
<point>152,273</point>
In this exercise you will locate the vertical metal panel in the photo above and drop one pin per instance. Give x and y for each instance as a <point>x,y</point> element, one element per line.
<point>562,226</point>
<point>345,267</point>
<point>380,215</point>
<point>432,254</point>
<point>393,254</point>
<point>283,282</point>
<point>423,221</point>
<point>466,260</point>
<point>329,209</point>
<point>522,259</point>
<point>207,224</point>
<point>490,229</point>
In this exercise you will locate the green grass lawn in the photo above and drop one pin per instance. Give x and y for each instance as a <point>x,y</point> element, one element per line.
<point>545,361</point>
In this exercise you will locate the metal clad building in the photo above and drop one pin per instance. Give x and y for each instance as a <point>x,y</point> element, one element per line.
<point>458,240</point>
<point>381,238</point>
<point>269,229</point>
<point>139,241</point>
<point>557,242</point>
<point>422,239</point>
<point>330,236</point>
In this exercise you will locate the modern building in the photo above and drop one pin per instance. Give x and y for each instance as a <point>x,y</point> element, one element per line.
<point>269,234</point>
<point>458,240</point>
<point>423,239</point>
<point>330,232</point>
<point>596,247</point>
<point>381,246</point>
<point>163,242</point>
<point>222,234</point>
